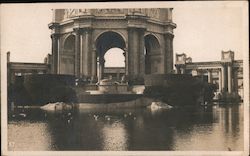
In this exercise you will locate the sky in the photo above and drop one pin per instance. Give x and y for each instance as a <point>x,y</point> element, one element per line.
<point>203,29</point>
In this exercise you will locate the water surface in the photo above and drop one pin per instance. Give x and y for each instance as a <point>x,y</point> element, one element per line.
<point>200,128</point>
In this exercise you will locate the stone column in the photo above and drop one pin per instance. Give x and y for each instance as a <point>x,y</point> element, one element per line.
<point>101,68</point>
<point>141,52</point>
<point>81,58</point>
<point>133,52</point>
<point>98,70</point>
<point>168,61</point>
<point>229,79</point>
<point>220,81</point>
<point>235,71</point>
<point>118,76</point>
<point>55,53</point>
<point>178,70</point>
<point>77,52</point>
<point>223,79</point>
<point>86,52</point>
<point>94,63</point>
<point>209,75</point>
<point>125,54</point>
<point>182,70</point>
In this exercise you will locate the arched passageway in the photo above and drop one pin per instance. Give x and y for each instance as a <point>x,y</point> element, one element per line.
<point>106,42</point>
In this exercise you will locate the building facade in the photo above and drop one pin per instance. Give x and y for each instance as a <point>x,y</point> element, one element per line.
<point>227,74</point>
<point>81,37</point>
<point>15,69</point>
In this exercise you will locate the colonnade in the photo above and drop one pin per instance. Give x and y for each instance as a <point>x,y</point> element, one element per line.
<point>227,77</point>
<point>87,55</point>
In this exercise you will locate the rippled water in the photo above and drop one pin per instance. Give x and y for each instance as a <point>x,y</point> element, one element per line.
<point>203,128</point>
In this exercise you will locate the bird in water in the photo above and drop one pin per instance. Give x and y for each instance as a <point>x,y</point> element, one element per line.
<point>22,115</point>
<point>107,117</point>
<point>96,117</point>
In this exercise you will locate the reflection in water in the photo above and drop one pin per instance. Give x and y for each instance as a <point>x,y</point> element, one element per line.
<point>114,136</point>
<point>202,128</point>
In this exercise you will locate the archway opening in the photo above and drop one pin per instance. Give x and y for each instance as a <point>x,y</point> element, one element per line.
<point>152,55</point>
<point>110,56</point>
<point>114,57</point>
<point>67,57</point>
<point>114,65</point>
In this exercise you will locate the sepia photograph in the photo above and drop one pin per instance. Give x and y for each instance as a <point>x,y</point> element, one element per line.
<point>125,78</point>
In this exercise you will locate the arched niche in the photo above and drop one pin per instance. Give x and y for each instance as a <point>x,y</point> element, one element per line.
<point>67,65</point>
<point>152,55</point>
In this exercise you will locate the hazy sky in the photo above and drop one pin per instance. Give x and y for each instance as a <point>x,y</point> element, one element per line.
<point>203,29</point>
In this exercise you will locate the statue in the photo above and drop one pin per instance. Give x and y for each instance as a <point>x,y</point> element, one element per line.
<point>123,80</point>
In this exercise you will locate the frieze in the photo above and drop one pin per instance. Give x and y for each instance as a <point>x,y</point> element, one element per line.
<point>153,12</point>
<point>108,11</point>
<point>68,13</point>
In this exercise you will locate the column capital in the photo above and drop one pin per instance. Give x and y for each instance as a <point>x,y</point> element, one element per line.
<point>223,64</point>
<point>82,30</point>
<point>77,31</point>
<point>209,70</point>
<point>142,28</point>
<point>226,64</point>
<point>87,28</point>
<point>55,35</point>
<point>100,60</point>
<point>168,34</point>
<point>229,63</point>
<point>53,25</point>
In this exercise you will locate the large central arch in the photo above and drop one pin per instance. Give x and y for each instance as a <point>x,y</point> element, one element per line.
<point>104,42</point>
